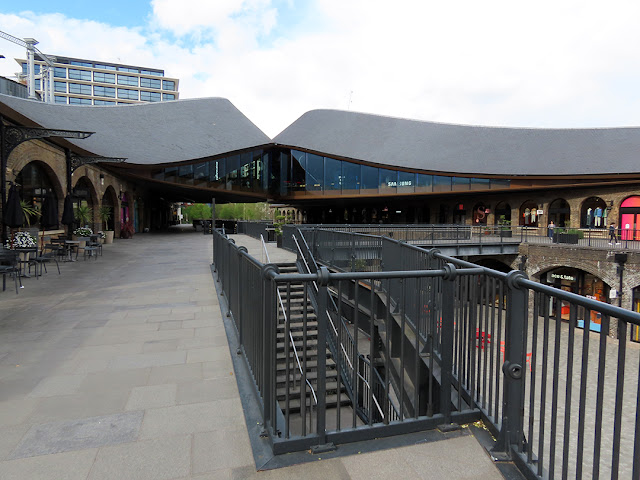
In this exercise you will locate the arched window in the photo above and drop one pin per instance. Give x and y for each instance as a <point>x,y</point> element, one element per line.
<point>34,183</point>
<point>502,214</point>
<point>480,214</point>
<point>559,212</point>
<point>593,213</point>
<point>630,218</point>
<point>529,214</point>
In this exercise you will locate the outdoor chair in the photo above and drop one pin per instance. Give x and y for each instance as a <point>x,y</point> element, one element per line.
<point>48,254</point>
<point>59,247</point>
<point>88,250</point>
<point>10,265</point>
<point>95,242</point>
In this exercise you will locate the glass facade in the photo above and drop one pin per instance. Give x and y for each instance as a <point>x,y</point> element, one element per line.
<point>127,80</point>
<point>168,85</point>
<point>80,89</point>
<point>150,82</point>
<point>75,74</point>
<point>100,91</point>
<point>104,77</point>
<point>295,173</point>
<point>150,96</point>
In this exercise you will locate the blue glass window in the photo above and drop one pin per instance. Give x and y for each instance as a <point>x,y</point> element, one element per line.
<point>201,173</point>
<point>152,72</point>
<point>441,184</point>
<point>332,175</point>
<point>315,172</point>
<point>37,84</point>
<point>75,74</point>
<point>127,94</point>
<point>60,99</point>
<point>104,77</point>
<point>105,67</point>
<point>103,102</point>
<point>480,184</point>
<point>60,72</point>
<point>80,89</point>
<point>350,177</point>
<point>406,182</point>
<point>168,85</point>
<point>79,101</point>
<point>170,174</point>
<point>424,183</point>
<point>150,82</point>
<point>60,87</point>
<point>81,64</point>
<point>168,96</point>
<point>460,183</point>
<point>127,80</point>
<point>99,91</point>
<point>233,172</point>
<point>388,180</point>
<point>298,174</point>
<point>128,69</point>
<point>369,179</point>
<point>185,172</point>
<point>150,96</point>
<point>500,183</point>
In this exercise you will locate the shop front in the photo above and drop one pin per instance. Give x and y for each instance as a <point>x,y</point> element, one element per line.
<point>576,281</point>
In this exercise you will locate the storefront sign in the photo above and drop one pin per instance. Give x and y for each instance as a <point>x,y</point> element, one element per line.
<point>560,276</point>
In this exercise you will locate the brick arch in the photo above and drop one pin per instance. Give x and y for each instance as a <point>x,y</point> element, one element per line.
<point>92,189</point>
<point>610,279</point>
<point>51,174</point>
<point>50,159</point>
<point>110,192</point>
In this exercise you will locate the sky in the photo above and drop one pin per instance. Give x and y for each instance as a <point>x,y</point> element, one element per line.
<point>551,64</point>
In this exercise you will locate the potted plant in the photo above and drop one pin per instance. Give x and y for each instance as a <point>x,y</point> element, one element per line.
<point>84,215</point>
<point>104,212</point>
<point>504,227</point>
<point>126,230</point>
<point>29,212</point>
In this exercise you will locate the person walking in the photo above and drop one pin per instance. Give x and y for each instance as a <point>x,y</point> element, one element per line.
<point>551,227</point>
<point>613,237</point>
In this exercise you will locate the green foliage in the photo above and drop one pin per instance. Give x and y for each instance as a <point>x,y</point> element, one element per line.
<point>197,211</point>
<point>104,212</point>
<point>29,211</point>
<point>504,223</point>
<point>83,214</point>
<point>242,211</point>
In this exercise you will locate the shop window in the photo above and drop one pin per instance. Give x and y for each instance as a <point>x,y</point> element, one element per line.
<point>559,213</point>
<point>593,213</point>
<point>630,218</point>
<point>529,214</point>
<point>480,214</point>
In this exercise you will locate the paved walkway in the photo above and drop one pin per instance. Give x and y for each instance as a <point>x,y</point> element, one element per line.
<point>120,369</point>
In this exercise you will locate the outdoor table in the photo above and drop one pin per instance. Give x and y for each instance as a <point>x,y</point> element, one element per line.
<point>24,259</point>
<point>69,246</point>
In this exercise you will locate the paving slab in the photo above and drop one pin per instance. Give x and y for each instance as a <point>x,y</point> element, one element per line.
<point>79,434</point>
<point>136,341</point>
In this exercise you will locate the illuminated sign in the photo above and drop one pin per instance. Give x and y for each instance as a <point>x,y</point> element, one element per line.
<point>560,276</point>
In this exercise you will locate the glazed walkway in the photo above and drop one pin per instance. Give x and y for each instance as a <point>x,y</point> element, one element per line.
<point>120,369</point>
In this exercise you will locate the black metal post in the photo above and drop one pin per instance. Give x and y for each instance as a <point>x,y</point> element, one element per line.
<point>213,224</point>
<point>512,432</point>
<point>3,177</point>
<point>446,344</point>
<point>321,428</point>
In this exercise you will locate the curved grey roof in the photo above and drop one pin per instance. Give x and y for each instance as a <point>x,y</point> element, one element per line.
<point>150,133</point>
<point>465,149</point>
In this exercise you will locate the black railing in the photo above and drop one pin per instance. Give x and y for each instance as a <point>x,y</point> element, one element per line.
<point>454,342</point>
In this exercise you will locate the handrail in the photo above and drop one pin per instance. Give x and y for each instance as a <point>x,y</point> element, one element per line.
<point>284,313</point>
<point>335,331</point>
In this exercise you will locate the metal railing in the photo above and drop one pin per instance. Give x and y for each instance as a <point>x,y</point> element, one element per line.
<point>302,378</point>
<point>455,342</point>
<point>434,235</point>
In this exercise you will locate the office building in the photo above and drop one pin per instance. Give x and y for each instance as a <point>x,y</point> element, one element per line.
<point>88,82</point>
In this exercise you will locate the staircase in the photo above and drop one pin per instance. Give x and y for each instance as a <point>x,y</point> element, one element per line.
<point>294,304</point>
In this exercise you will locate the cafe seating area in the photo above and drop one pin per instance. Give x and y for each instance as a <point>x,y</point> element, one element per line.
<point>28,256</point>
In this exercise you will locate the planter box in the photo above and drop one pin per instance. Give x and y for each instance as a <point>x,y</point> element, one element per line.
<point>506,233</point>
<point>565,238</point>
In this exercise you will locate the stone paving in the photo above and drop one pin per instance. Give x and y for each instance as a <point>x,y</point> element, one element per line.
<point>120,369</point>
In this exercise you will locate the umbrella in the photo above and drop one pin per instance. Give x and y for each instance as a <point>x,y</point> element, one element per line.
<point>13,216</point>
<point>67,214</point>
<point>49,217</point>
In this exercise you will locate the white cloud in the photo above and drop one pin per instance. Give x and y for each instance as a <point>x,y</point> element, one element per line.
<point>498,62</point>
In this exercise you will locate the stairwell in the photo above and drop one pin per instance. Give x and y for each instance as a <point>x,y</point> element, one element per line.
<point>292,369</point>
